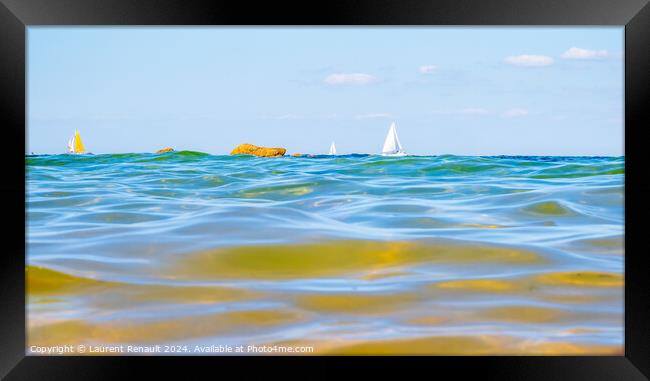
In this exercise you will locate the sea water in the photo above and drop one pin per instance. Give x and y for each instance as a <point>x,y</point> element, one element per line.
<point>345,254</point>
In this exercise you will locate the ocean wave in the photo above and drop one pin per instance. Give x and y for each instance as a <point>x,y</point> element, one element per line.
<point>371,196</point>
<point>361,251</point>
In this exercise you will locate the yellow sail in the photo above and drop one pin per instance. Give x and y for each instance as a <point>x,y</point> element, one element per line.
<point>78,144</point>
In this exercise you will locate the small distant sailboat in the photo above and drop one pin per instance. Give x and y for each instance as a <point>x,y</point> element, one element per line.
<point>333,149</point>
<point>392,146</point>
<point>75,145</point>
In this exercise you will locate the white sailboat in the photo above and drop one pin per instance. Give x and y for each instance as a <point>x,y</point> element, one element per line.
<point>333,149</point>
<point>392,146</point>
<point>75,145</point>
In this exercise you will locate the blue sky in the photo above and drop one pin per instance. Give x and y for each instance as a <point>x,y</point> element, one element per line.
<point>451,90</point>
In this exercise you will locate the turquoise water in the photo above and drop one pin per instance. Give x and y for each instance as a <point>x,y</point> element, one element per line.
<point>357,253</point>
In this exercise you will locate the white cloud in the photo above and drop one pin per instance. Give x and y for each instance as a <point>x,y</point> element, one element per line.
<point>581,54</point>
<point>289,117</point>
<point>283,117</point>
<point>427,69</point>
<point>463,111</point>
<point>515,112</point>
<point>474,111</point>
<point>373,116</point>
<point>529,60</point>
<point>349,79</point>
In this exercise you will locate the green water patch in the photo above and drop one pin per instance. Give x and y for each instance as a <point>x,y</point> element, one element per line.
<point>620,171</point>
<point>190,180</point>
<point>549,208</point>
<point>582,279</point>
<point>396,161</point>
<point>42,281</point>
<point>119,217</point>
<point>62,200</point>
<point>610,190</point>
<point>420,190</point>
<point>299,189</point>
<point>335,258</point>
<point>173,157</point>
<point>405,208</point>
<point>47,161</point>
<point>460,168</point>
<point>57,194</point>
<point>418,222</point>
<point>188,154</point>
<point>578,170</point>
<point>212,180</point>
<point>614,245</point>
<point>184,153</point>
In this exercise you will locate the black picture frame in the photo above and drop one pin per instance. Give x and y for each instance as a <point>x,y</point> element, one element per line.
<point>17,15</point>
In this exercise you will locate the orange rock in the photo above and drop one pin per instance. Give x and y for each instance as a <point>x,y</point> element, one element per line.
<point>249,149</point>
<point>165,150</point>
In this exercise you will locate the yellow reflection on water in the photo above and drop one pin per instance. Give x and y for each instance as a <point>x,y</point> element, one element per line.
<point>355,303</point>
<point>334,258</point>
<point>583,279</point>
<point>159,331</point>
<point>45,281</point>
<point>470,346</point>
<point>208,295</point>
<point>479,285</point>
<point>42,282</point>
<point>521,314</point>
<point>551,208</point>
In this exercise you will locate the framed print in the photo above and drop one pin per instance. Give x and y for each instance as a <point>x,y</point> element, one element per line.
<point>458,185</point>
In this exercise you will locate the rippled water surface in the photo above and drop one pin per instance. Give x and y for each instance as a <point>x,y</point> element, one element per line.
<point>350,254</point>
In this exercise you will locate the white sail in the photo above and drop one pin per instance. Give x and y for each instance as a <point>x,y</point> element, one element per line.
<point>71,144</point>
<point>392,146</point>
<point>333,149</point>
